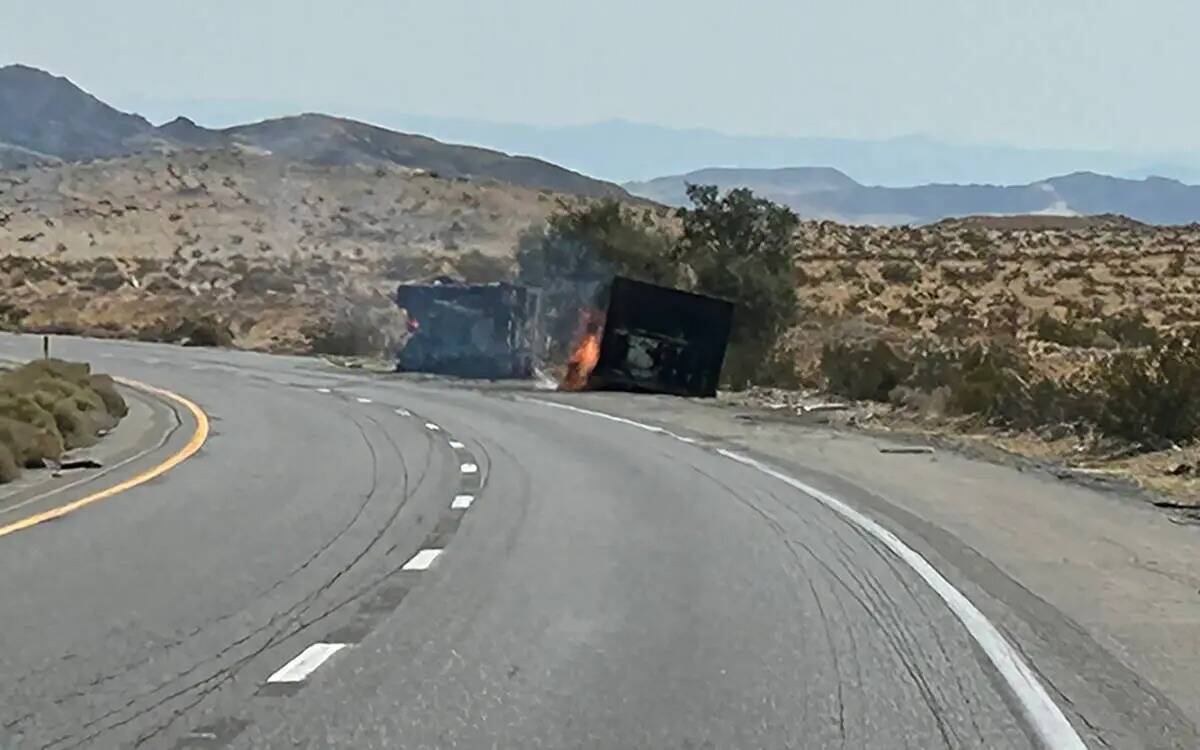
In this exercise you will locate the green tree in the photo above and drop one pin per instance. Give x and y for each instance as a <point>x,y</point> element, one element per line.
<point>574,256</point>
<point>740,247</point>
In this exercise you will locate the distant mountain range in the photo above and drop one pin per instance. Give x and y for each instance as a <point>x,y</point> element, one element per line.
<point>620,151</point>
<point>44,119</point>
<point>826,193</point>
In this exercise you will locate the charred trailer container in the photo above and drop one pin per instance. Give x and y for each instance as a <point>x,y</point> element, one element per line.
<point>661,340</point>
<point>470,330</point>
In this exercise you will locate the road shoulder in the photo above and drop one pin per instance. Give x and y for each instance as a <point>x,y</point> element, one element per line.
<point>1098,589</point>
<point>142,434</point>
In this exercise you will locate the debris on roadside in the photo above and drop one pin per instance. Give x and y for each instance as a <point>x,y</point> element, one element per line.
<point>1181,470</point>
<point>824,407</point>
<point>906,449</point>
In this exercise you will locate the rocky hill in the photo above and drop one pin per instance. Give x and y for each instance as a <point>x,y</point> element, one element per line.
<point>144,245</point>
<point>822,193</point>
<point>49,117</point>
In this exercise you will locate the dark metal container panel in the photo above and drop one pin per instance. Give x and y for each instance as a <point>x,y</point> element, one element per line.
<point>662,340</point>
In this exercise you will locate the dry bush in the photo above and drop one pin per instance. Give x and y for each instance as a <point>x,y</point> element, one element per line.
<point>106,389</point>
<point>989,378</point>
<point>476,268</point>
<point>368,328</point>
<point>204,331</point>
<point>9,466</point>
<point>28,445</point>
<point>860,362</point>
<point>899,272</point>
<point>77,429</point>
<point>1130,328</point>
<point>1070,332</point>
<point>1151,395</point>
<point>48,406</point>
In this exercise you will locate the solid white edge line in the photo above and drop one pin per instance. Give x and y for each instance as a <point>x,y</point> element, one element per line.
<point>469,468</point>
<point>306,662</point>
<point>462,502</point>
<point>455,444</point>
<point>422,560</point>
<point>1043,714</point>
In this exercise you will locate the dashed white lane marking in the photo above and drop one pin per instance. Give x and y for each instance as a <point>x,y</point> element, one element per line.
<point>456,445</point>
<point>362,400</point>
<point>422,560</point>
<point>462,502</point>
<point>306,663</point>
<point>324,390</point>
<point>432,426</point>
<point>1040,710</point>
<point>404,412</point>
<point>469,468</point>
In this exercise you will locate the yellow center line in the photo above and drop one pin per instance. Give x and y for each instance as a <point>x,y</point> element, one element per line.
<point>183,454</point>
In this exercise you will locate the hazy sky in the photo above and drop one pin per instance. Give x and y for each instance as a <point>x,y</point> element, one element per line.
<point>1066,73</point>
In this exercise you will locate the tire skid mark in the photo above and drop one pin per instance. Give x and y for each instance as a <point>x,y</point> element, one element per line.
<point>367,615</point>
<point>879,607</point>
<point>280,634</point>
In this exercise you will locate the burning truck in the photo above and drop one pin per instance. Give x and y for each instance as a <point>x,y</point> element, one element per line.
<point>652,339</point>
<point>470,330</point>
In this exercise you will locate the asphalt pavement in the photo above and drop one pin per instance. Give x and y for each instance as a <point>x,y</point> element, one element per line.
<point>354,561</point>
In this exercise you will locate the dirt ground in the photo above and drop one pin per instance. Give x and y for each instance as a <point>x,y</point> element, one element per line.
<point>1169,478</point>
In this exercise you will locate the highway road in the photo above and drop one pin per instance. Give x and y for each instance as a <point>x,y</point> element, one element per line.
<point>354,561</point>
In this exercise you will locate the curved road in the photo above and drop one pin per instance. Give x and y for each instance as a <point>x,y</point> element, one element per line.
<point>599,586</point>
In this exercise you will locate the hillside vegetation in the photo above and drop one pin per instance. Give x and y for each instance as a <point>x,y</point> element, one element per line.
<point>288,257</point>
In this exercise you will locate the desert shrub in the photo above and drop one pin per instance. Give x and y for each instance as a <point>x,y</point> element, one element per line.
<point>989,380</point>
<point>343,337</point>
<point>860,363</point>
<point>73,372</point>
<point>995,380</point>
<point>207,332</point>
<point>476,268</point>
<point>1151,396</point>
<point>361,328</point>
<point>9,469</point>
<point>1130,327</point>
<point>23,407</point>
<point>106,389</point>
<point>263,280</point>
<point>410,267</point>
<point>48,406</point>
<point>78,426</point>
<point>28,445</point>
<point>899,272</point>
<point>1069,332</point>
<point>204,330</point>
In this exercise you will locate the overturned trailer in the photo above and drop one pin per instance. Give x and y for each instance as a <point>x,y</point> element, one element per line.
<point>470,330</point>
<point>661,340</point>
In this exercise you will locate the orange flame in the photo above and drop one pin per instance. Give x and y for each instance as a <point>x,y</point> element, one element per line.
<point>586,353</point>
